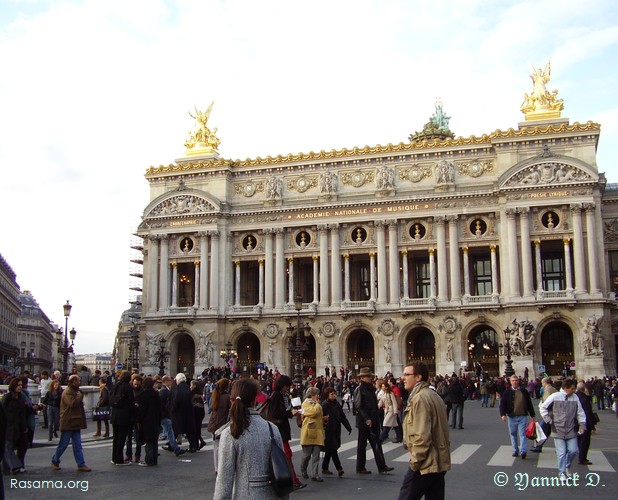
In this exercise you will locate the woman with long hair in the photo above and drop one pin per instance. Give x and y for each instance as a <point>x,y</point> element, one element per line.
<point>220,405</point>
<point>244,452</point>
<point>312,433</point>
<point>16,407</point>
<point>388,402</point>
<point>103,403</point>
<point>197,401</point>
<point>332,409</point>
<point>52,407</point>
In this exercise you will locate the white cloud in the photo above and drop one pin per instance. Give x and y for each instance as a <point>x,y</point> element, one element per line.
<point>92,93</point>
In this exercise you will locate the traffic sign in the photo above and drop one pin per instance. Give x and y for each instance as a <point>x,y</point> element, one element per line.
<point>541,368</point>
<point>119,366</point>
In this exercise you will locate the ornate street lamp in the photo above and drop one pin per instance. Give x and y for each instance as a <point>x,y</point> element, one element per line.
<point>134,344</point>
<point>162,356</point>
<point>297,344</point>
<point>64,347</point>
<point>508,371</point>
<point>229,352</point>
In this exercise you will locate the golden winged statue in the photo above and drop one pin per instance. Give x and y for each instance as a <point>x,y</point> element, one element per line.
<point>202,138</point>
<point>541,103</point>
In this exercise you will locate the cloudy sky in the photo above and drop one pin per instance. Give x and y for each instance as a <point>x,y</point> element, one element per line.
<point>93,92</point>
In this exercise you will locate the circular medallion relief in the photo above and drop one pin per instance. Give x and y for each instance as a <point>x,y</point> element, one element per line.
<point>329,329</point>
<point>249,189</point>
<point>271,331</point>
<point>358,179</point>
<point>302,184</point>
<point>476,169</point>
<point>416,174</point>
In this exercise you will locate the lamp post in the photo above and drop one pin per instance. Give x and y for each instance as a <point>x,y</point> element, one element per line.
<point>64,347</point>
<point>508,371</point>
<point>162,356</point>
<point>229,352</point>
<point>297,344</point>
<point>31,357</point>
<point>134,344</point>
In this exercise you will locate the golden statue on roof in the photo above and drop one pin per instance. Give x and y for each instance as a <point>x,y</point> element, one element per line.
<point>541,104</point>
<point>203,140</point>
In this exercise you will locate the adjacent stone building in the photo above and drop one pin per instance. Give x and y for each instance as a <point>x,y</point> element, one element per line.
<point>430,249</point>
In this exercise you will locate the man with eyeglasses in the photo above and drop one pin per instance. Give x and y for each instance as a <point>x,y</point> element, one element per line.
<point>425,436</point>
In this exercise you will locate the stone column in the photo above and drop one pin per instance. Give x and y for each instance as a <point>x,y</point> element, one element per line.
<point>196,289</point>
<point>432,273</point>
<point>568,270</point>
<point>591,238</point>
<point>466,270</point>
<point>442,260</point>
<point>494,271</point>
<point>323,235</point>
<point>346,276</point>
<point>279,270</point>
<point>214,269</point>
<point>203,270</point>
<point>153,264</point>
<point>291,281</point>
<point>372,276</point>
<point>578,249</point>
<point>164,277</point>
<point>237,283</point>
<point>335,265</point>
<point>316,279</point>
<point>406,284</point>
<point>393,263</point>
<point>453,245</point>
<point>511,230</point>
<point>261,282</point>
<point>526,252</point>
<point>268,269</point>
<point>381,242</point>
<point>539,268</point>
<point>174,285</point>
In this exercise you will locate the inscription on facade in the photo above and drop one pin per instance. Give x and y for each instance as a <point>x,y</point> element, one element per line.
<point>549,194</point>
<point>320,214</point>
<point>183,223</point>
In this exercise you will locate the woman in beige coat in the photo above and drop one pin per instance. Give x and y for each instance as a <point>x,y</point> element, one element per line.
<point>312,433</point>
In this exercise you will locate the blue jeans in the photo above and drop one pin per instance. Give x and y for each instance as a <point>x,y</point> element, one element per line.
<point>166,423</point>
<point>457,415</point>
<point>76,438</point>
<point>517,428</point>
<point>566,449</point>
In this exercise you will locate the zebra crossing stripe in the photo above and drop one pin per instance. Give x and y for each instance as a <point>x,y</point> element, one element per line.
<point>463,453</point>
<point>502,457</point>
<point>385,448</point>
<point>599,462</point>
<point>547,459</point>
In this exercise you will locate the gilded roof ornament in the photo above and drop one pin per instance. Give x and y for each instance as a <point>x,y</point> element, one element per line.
<point>541,104</point>
<point>202,141</point>
<point>436,128</point>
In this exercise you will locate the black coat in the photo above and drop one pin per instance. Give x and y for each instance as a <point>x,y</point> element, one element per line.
<point>16,420</point>
<point>281,415</point>
<point>182,410</point>
<point>366,406</point>
<point>123,404</point>
<point>336,418</point>
<point>149,415</point>
<point>507,402</point>
<point>584,399</point>
<point>165,395</point>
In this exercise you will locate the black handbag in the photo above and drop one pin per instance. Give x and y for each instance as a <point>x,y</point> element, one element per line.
<point>281,475</point>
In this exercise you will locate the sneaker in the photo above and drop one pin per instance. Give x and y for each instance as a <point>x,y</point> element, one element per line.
<point>123,463</point>
<point>563,477</point>
<point>568,473</point>
<point>317,479</point>
<point>144,464</point>
<point>55,466</point>
<point>84,468</point>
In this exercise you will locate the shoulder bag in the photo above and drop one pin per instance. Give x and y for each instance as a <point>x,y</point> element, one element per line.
<point>281,474</point>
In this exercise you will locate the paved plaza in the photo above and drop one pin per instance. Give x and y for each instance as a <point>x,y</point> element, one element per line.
<point>481,456</point>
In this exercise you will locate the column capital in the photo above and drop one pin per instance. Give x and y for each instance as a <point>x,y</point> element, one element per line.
<point>431,251</point>
<point>404,252</point>
<point>439,219</point>
<point>173,265</point>
<point>196,263</point>
<point>464,249</point>
<point>391,222</point>
<point>315,258</point>
<point>510,213</point>
<point>566,240</point>
<point>372,254</point>
<point>576,208</point>
<point>346,256</point>
<point>237,263</point>
<point>267,230</point>
<point>588,207</point>
<point>278,231</point>
<point>334,226</point>
<point>493,247</point>
<point>322,227</point>
<point>380,224</point>
<point>261,261</point>
<point>214,233</point>
<point>203,234</point>
<point>524,211</point>
<point>290,260</point>
<point>452,219</point>
<point>537,243</point>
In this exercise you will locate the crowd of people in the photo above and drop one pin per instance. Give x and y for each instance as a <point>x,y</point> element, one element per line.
<point>241,411</point>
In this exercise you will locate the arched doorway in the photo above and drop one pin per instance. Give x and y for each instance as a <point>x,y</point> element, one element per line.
<point>248,349</point>
<point>557,348</point>
<point>307,357</point>
<point>421,346</point>
<point>361,351</point>
<point>186,355</point>
<point>483,349</point>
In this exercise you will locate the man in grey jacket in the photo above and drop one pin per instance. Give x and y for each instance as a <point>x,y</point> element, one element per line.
<point>565,414</point>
